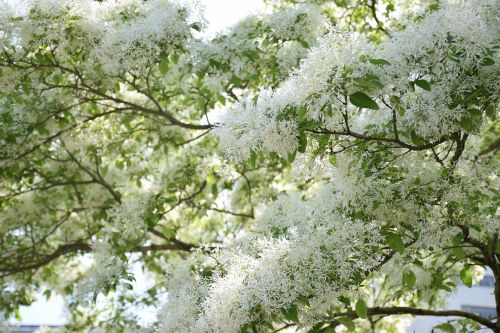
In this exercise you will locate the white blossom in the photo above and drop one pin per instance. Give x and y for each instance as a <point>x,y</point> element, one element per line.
<point>302,248</point>
<point>423,50</point>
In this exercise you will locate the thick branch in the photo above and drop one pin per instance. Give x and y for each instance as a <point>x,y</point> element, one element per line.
<point>83,247</point>
<point>77,246</point>
<point>402,310</point>
<point>395,140</point>
<point>494,146</point>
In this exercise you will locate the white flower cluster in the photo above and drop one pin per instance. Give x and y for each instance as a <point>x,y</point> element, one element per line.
<point>128,218</point>
<point>153,28</point>
<point>253,126</point>
<point>120,35</point>
<point>324,64</point>
<point>40,22</point>
<point>241,50</point>
<point>479,188</point>
<point>244,129</point>
<point>216,164</point>
<point>230,49</point>
<point>443,49</point>
<point>126,226</point>
<point>303,23</point>
<point>106,270</point>
<point>186,292</point>
<point>302,248</point>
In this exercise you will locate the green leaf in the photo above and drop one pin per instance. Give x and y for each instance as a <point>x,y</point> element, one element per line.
<point>119,164</point>
<point>316,328</point>
<point>471,121</point>
<point>252,55</point>
<point>458,252</point>
<point>40,128</point>
<point>196,26</point>
<point>416,139</point>
<point>487,62</point>
<point>396,104</point>
<point>490,111</point>
<point>309,124</point>
<point>475,113</point>
<point>236,81</point>
<point>221,99</point>
<point>174,57</point>
<point>291,313</point>
<point>214,63</point>
<point>211,178</point>
<point>423,84</point>
<point>396,243</point>
<point>303,300</point>
<point>163,66</point>
<point>466,124</point>
<point>466,277</point>
<point>361,309</point>
<point>171,199</point>
<point>302,142</point>
<point>379,62</point>
<point>446,327</point>
<point>253,159</point>
<point>458,238</point>
<point>323,140</point>
<point>304,43</point>
<point>47,293</point>
<point>17,314</point>
<point>409,279</point>
<point>347,322</point>
<point>333,160</point>
<point>362,100</point>
<point>344,300</point>
<point>301,114</point>
<point>369,83</point>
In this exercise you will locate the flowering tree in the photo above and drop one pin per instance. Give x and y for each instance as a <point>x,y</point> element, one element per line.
<point>325,166</point>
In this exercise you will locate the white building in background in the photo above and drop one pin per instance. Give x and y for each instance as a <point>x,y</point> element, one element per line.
<point>25,329</point>
<point>479,299</point>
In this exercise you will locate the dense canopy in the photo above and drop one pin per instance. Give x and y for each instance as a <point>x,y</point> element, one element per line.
<point>322,166</point>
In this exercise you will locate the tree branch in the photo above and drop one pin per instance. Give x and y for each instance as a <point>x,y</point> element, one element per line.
<point>373,9</point>
<point>402,310</point>
<point>494,146</point>
<point>397,141</point>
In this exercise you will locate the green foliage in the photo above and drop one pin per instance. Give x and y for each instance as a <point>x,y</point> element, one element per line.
<point>291,313</point>
<point>396,242</point>
<point>118,153</point>
<point>423,84</point>
<point>466,276</point>
<point>361,309</point>
<point>362,100</point>
<point>409,279</point>
<point>347,322</point>
<point>471,121</point>
<point>446,327</point>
